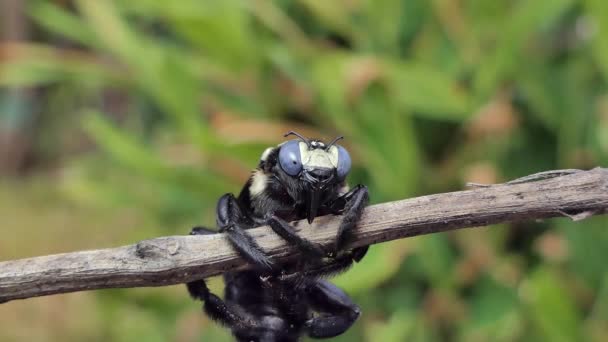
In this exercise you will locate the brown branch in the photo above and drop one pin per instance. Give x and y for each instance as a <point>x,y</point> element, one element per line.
<point>179,259</point>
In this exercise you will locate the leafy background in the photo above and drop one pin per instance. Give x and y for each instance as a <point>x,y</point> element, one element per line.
<point>126,119</point>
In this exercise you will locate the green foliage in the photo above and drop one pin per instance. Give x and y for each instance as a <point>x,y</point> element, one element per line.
<point>429,94</point>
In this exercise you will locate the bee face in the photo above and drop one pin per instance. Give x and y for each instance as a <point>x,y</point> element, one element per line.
<point>310,169</point>
<point>314,160</point>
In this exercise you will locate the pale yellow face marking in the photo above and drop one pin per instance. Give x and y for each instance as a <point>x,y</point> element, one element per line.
<point>258,182</point>
<point>318,158</point>
<point>266,153</point>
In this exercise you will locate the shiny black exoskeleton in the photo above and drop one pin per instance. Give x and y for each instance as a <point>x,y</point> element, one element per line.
<point>297,179</point>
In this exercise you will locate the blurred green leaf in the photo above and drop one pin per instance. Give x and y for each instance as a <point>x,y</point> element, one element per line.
<point>427,92</point>
<point>220,29</point>
<point>437,260</point>
<point>40,65</point>
<point>597,322</point>
<point>597,19</point>
<point>526,19</point>
<point>494,313</point>
<point>587,248</point>
<point>551,310</point>
<point>492,302</point>
<point>332,14</point>
<point>112,30</point>
<point>59,21</point>
<point>379,265</point>
<point>130,153</point>
<point>397,328</point>
<point>384,22</point>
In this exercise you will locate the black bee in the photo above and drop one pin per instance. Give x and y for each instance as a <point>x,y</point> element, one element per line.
<point>298,179</point>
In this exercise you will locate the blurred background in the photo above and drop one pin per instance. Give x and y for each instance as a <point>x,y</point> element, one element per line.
<point>126,119</point>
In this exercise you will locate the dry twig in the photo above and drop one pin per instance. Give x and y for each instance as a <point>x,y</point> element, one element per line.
<point>179,259</point>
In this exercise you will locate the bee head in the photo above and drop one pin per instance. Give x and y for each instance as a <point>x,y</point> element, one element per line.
<point>313,167</point>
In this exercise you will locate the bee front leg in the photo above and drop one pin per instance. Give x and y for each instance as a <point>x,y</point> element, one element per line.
<point>351,205</point>
<point>283,229</point>
<point>230,219</point>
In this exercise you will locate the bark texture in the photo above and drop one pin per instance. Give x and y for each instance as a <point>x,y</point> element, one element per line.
<point>178,259</point>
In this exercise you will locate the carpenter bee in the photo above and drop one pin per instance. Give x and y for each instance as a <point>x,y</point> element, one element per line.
<point>298,179</point>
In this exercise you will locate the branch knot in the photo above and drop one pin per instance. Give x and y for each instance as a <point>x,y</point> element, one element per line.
<point>155,249</point>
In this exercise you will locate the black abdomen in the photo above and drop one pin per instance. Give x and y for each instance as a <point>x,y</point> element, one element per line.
<point>277,306</point>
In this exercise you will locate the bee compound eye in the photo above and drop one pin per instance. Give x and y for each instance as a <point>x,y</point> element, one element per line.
<point>289,158</point>
<point>344,162</point>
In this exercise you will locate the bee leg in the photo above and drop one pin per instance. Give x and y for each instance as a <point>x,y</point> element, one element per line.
<point>351,205</point>
<point>328,267</point>
<point>287,232</point>
<point>215,307</point>
<point>359,252</point>
<point>230,221</point>
<point>199,230</point>
<point>337,311</point>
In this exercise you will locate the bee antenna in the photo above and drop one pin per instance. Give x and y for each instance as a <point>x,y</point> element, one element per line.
<point>333,142</point>
<point>297,135</point>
